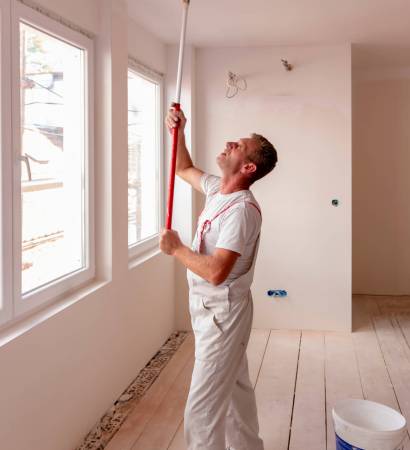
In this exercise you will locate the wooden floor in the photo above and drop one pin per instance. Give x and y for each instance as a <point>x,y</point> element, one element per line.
<point>298,376</point>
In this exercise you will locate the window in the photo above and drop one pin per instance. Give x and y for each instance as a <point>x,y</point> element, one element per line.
<point>51,196</point>
<point>144,159</point>
<point>52,158</point>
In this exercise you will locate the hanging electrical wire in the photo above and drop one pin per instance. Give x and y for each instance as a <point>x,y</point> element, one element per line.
<point>235,83</point>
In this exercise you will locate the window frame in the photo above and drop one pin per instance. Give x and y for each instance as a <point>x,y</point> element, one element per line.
<point>146,245</point>
<point>6,222</point>
<point>67,283</point>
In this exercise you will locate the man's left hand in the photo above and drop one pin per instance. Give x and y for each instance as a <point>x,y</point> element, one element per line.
<point>169,241</point>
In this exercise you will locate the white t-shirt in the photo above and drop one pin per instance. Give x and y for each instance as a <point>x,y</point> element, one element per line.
<point>236,229</point>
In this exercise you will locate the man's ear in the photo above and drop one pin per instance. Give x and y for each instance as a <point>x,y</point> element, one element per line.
<point>248,168</point>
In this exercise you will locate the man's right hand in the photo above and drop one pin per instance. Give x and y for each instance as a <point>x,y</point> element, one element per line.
<point>184,167</point>
<point>175,118</point>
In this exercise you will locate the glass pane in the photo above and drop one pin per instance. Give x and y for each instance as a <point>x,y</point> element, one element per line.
<point>52,158</point>
<point>143,141</point>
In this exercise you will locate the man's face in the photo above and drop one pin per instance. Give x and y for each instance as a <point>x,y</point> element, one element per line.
<point>234,158</point>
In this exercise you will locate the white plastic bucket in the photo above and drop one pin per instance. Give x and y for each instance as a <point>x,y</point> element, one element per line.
<point>366,425</point>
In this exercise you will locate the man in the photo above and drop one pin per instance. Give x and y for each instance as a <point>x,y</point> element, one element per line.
<point>221,409</point>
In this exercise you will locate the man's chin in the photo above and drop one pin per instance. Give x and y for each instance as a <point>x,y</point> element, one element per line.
<point>220,161</point>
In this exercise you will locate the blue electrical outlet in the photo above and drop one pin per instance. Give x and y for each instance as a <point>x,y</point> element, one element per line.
<point>277,293</point>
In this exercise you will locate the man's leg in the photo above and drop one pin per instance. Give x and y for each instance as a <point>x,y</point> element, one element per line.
<point>207,406</point>
<point>242,426</point>
<point>213,379</point>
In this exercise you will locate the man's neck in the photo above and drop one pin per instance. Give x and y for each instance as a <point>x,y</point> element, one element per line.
<point>228,186</point>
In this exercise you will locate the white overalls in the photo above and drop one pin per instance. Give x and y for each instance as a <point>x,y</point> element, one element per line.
<point>221,407</point>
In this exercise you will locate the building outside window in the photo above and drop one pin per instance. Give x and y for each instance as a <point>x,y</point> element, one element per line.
<point>144,159</point>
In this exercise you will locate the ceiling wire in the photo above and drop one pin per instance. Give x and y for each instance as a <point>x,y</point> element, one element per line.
<point>234,84</point>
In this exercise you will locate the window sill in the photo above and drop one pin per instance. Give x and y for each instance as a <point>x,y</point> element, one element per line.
<point>137,260</point>
<point>143,251</point>
<point>21,325</point>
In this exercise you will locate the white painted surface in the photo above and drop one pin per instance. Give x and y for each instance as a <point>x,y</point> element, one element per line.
<point>305,246</point>
<point>146,48</point>
<point>381,182</point>
<point>378,29</point>
<point>59,377</point>
<point>84,14</point>
<point>277,22</point>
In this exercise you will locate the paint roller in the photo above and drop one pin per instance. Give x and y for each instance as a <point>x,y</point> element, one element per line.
<point>177,107</point>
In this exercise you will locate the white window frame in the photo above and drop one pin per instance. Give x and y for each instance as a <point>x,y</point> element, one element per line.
<point>69,282</point>
<point>150,243</point>
<point>6,222</point>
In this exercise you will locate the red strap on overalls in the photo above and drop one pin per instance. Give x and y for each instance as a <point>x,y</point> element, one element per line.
<point>207,223</point>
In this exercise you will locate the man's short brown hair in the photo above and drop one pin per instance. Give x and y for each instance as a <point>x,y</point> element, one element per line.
<point>265,158</point>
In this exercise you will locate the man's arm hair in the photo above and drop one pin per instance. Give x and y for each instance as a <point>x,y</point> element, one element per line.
<point>184,166</point>
<point>214,268</point>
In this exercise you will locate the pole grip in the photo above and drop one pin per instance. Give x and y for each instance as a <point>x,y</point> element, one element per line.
<point>171,182</point>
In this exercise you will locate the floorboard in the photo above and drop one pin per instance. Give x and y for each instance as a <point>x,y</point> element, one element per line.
<point>308,429</point>
<point>342,377</point>
<point>275,388</point>
<point>161,429</point>
<point>375,377</point>
<point>145,409</point>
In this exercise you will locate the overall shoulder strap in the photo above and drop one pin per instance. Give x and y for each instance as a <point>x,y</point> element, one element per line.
<point>255,206</point>
<point>232,204</point>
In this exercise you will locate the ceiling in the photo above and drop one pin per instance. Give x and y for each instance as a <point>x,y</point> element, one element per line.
<point>380,27</point>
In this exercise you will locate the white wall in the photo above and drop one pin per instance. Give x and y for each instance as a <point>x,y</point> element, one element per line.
<point>306,242</point>
<point>59,377</point>
<point>381,181</point>
<point>146,48</point>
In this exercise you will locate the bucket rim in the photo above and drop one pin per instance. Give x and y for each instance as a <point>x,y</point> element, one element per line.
<point>380,433</point>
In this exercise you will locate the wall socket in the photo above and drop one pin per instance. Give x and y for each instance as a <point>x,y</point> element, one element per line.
<point>277,293</point>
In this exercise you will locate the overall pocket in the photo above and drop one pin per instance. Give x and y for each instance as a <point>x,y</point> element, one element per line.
<point>218,304</point>
<point>207,331</point>
<point>207,318</point>
<point>217,298</point>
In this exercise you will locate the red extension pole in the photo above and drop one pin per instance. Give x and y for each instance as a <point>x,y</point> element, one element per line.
<point>177,107</point>
<point>173,162</point>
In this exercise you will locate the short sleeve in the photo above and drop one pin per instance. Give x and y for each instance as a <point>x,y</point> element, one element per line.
<point>210,183</point>
<point>239,226</point>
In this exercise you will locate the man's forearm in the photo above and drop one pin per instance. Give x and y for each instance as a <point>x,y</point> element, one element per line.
<point>183,158</point>
<point>202,265</point>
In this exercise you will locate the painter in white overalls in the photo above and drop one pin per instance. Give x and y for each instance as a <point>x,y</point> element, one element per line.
<point>221,408</point>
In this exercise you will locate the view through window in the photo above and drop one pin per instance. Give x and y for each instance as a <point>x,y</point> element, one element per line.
<point>53,170</point>
<point>143,158</point>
